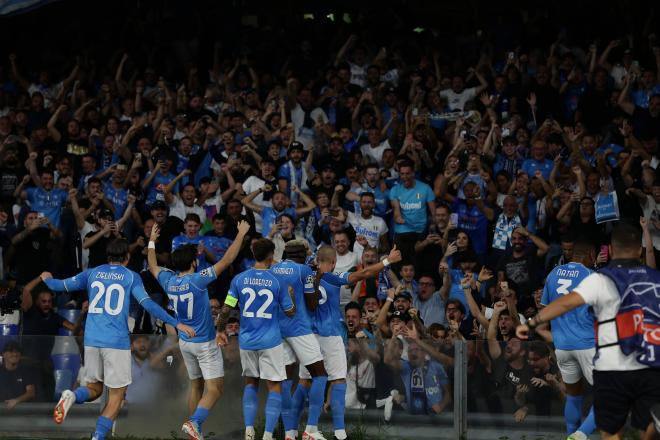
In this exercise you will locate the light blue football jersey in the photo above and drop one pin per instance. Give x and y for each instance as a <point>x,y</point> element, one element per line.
<point>109,288</point>
<point>189,298</point>
<point>327,317</point>
<point>301,278</point>
<point>575,329</point>
<point>259,295</point>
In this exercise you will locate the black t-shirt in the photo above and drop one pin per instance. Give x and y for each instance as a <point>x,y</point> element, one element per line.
<point>32,255</point>
<point>14,383</point>
<point>36,323</point>
<point>523,271</point>
<point>97,253</point>
<point>172,227</point>
<point>645,124</point>
<point>507,378</point>
<point>10,178</point>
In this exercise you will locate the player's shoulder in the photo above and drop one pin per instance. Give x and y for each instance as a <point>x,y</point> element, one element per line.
<point>335,278</point>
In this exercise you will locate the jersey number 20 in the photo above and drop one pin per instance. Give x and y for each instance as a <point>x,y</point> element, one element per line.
<point>252,295</point>
<point>112,288</point>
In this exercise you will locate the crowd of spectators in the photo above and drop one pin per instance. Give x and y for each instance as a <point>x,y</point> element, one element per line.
<point>482,169</point>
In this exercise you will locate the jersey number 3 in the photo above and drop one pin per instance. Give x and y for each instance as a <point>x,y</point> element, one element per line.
<point>252,295</point>
<point>107,306</point>
<point>564,285</point>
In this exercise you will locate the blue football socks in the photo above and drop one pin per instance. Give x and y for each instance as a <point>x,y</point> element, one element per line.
<point>273,410</point>
<point>249,405</point>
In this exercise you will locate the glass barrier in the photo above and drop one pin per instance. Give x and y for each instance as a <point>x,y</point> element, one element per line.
<point>405,392</point>
<point>516,388</point>
<point>399,388</point>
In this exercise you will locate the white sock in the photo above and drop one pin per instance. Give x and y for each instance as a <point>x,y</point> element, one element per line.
<point>249,430</point>
<point>267,436</point>
<point>311,429</point>
<point>340,434</point>
<point>292,433</point>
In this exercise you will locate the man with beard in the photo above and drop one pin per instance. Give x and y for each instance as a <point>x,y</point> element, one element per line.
<point>520,264</point>
<point>44,198</point>
<point>511,372</point>
<point>430,302</point>
<point>280,203</point>
<point>40,319</point>
<point>410,200</point>
<point>429,250</point>
<point>373,184</point>
<point>510,219</point>
<point>425,380</point>
<point>546,381</point>
<point>94,199</point>
<point>293,173</point>
<point>369,229</point>
<point>398,298</point>
<point>336,156</point>
<point>145,376</point>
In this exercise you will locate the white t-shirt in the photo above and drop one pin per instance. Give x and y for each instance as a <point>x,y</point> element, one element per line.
<point>86,229</point>
<point>180,210</point>
<point>601,294</point>
<point>358,74</point>
<point>372,228</point>
<point>362,375</point>
<point>617,73</point>
<point>344,264</point>
<point>250,185</point>
<point>456,101</point>
<point>306,135</point>
<point>375,154</point>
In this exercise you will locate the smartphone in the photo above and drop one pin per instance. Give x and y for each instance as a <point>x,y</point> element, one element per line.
<point>453,219</point>
<point>138,156</point>
<point>605,250</point>
<point>40,215</point>
<point>511,55</point>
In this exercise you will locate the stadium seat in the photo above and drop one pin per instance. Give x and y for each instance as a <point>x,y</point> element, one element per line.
<point>70,315</point>
<point>64,380</point>
<point>8,330</point>
<point>65,366</point>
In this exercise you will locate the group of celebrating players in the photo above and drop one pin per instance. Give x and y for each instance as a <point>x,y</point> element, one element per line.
<point>289,314</point>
